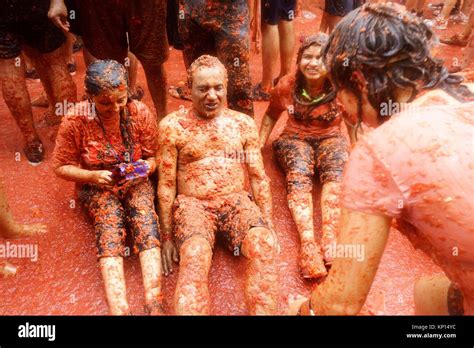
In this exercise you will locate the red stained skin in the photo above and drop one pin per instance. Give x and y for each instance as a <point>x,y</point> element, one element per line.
<point>66,279</point>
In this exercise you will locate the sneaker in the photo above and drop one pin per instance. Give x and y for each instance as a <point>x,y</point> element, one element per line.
<point>258,94</point>
<point>459,18</point>
<point>437,23</point>
<point>455,40</point>
<point>435,6</point>
<point>34,152</point>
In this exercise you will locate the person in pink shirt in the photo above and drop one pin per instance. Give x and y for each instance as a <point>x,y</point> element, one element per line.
<point>416,167</point>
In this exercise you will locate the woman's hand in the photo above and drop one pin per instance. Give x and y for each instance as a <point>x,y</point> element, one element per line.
<point>101,177</point>
<point>150,161</point>
<point>169,253</point>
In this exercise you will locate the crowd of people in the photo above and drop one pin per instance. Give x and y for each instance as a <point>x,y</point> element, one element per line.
<point>176,179</point>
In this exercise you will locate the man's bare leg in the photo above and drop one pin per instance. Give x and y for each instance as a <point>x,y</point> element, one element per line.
<point>132,72</point>
<point>286,31</point>
<point>311,259</point>
<point>150,261</point>
<point>447,8</point>
<point>270,50</point>
<point>114,282</point>
<point>17,98</point>
<point>330,214</point>
<point>68,48</point>
<point>156,80</point>
<point>56,80</point>
<point>192,291</point>
<point>262,276</point>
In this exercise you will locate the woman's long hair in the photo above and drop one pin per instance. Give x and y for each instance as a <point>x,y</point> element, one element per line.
<point>318,40</point>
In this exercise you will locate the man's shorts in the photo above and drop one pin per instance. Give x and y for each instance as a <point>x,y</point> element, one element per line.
<point>109,28</point>
<point>340,8</point>
<point>29,25</point>
<point>230,217</point>
<point>276,10</point>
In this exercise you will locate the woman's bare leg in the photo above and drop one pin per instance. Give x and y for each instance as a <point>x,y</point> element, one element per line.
<point>330,213</point>
<point>150,261</point>
<point>114,282</point>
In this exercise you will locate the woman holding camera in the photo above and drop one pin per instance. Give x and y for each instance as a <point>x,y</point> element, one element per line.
<point>107,146</point>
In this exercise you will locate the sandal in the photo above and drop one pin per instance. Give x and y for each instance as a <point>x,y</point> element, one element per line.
<point>138,94</point>
<point>40,101</point>
<point>34,152</point>
<point>258,94</point>
<point>71,68</point>
<point>179,92</point>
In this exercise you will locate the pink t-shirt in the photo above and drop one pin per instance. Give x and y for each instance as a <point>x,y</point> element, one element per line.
<point>418,167</point>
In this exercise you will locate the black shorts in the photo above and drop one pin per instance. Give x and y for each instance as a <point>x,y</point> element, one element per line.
<point>276,10</point>
<point>26,22</point>
<point>110,28</point>
<point>340,8</point>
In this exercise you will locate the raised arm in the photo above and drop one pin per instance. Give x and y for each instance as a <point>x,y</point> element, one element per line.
<point>167,162</point>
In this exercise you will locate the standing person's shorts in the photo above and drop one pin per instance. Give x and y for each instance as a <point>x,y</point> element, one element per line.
<point>230,217</point>
<point>220,28</point>
<point>27,25</point>
<point>276,10</point>
<point>340,8</point>
<point>109,28</point>
<point>112,213</point>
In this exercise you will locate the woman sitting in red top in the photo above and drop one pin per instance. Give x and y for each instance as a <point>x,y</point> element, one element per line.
<point>312,137</point>
<point>107,146</point>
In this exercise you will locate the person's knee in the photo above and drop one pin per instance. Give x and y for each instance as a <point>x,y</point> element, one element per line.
<point>196,248</point>
<point>299,182</point>
<point>260,243</point>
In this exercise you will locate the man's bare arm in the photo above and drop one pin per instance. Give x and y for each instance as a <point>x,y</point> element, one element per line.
<point>258,178</point>
<point>346,288</point>
<point>167,161</point>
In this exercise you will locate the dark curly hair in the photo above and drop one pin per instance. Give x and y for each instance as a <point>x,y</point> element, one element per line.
<point>391,48</point>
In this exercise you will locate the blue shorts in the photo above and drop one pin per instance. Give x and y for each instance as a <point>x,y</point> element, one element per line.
<point>276,10</point>
<point>340,8</point>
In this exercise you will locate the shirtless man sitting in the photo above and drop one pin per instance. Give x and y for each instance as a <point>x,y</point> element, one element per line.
<point>201,194</point>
